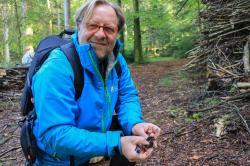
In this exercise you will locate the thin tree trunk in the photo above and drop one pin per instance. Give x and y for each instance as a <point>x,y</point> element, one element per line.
<point>6,33</point>
<point>199,16</point>
<point>137,34</point>
<point>18,27</point>
<point>24,8</point>
<point>58,8</point>
<point>28,29</point>
<point>66,13</point>
<point>50,21</point>
<point>122,33</point>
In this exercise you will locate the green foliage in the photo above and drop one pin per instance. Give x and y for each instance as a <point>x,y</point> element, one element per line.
<point>211,101</point>
<point>158,59</point>
<point>167,81</point>
<point>184,75</point>
<point>173,111</point>
<point>163,33</point>
<point>194,117</point>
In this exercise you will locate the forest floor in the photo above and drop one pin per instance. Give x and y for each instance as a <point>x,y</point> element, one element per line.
<point>166,95</point>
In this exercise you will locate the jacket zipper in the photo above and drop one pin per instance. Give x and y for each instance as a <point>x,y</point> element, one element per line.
<point>105,88</point>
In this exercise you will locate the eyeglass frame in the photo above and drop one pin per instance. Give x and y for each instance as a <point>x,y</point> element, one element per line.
<point>97,27</point>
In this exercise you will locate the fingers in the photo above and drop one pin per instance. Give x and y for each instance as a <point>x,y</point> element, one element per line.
<point>140,141</point>
<point>153,130</point>
<point>148,153</point>
<point>140,130</point>
<point>146,129</point>
<point>144,155</point>
<point>135,148</point>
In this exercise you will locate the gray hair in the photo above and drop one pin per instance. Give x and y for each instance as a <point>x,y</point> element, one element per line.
<point>86,10</point>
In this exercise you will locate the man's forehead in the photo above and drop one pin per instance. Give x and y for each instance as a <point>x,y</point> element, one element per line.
<point>104,12</point>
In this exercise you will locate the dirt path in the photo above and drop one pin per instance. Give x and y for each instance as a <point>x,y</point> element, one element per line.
<point>181,143</point>
<point>184,143</point>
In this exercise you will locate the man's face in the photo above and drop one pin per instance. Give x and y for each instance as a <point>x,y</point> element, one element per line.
<point>100,30</point>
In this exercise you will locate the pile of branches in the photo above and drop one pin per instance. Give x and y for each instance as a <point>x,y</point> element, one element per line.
<point>223,50</point>
<point>12,78</point>
<point>223,53</point>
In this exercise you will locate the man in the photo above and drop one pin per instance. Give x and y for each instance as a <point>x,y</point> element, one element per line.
<point>65,127</point>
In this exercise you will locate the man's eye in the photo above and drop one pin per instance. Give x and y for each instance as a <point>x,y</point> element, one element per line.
<point>109,29</point>
<point>92,26</point>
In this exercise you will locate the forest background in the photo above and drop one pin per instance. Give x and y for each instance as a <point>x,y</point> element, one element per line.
<point>204,115</point>
<point>168,28</point>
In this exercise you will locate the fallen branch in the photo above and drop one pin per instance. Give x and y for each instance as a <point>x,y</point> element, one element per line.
<point>186,132</point>
<point>246,58</point>
<point>7,159</point>
<point>240,96</point>
<point>237,110</point>
<point>207,109</point>
<point>5,140</point>
<point>208,158</point>
<point>6,152</point>
<point>243,84</point>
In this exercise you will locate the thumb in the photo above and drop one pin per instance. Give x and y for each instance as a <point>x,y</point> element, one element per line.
<point>141,132</point>
<point>141,141</point>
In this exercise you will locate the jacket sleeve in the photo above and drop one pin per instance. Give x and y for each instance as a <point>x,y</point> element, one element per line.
<point>53,89</point>
<point>128,105</point>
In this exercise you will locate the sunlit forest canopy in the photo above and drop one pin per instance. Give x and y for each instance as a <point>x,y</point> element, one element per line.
<point>168,28</point>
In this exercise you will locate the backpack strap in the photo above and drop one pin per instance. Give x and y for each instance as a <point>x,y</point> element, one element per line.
<point>72,56</point>
<point>118,69</point>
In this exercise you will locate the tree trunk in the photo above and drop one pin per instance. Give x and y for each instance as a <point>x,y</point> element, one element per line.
<point>199,14</point>
<point>137,34</point>
<point>66,13</point>
<point>28,33</point>
<point>50,21</point>
<point>24,8</point>
<point>122,33</point>
<point>6,33</point>
<point>58,8</point>
<point>18,27</point>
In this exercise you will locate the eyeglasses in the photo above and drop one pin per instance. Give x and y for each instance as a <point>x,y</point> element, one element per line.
<point>107,29</point>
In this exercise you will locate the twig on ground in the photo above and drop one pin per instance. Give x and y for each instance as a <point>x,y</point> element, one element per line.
<point>7,159</point>
<point>4,127</point>
<point>207,109</point>
<point>6,152</point>
<point>186,132</point>
<point>235,108</point>
<point>5,140</point>
<point>208,158</point>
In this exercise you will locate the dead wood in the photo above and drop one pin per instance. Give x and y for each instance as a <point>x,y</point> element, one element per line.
<point>246,58</point>
<point>12,78</point>
<point>8,151</point>
<point>223,50</point>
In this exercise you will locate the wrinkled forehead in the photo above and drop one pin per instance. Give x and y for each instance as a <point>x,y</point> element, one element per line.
<point>102,13</point>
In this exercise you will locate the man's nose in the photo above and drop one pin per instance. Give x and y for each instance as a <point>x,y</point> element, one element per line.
<point>100,33</point>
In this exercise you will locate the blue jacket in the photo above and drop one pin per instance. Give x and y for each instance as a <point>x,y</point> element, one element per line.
<point>79,128</point>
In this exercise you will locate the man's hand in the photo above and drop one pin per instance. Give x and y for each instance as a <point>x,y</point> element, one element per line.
<point>146,129</point>
<point>129,144</point>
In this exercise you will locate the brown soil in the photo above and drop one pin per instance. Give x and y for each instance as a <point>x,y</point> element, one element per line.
<point>181,143</point>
